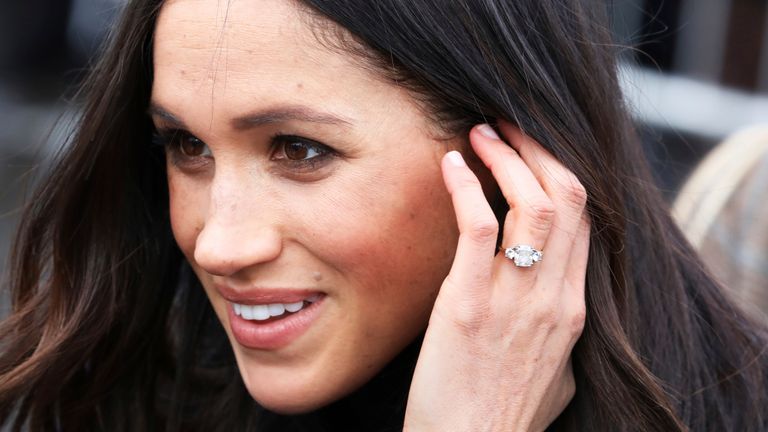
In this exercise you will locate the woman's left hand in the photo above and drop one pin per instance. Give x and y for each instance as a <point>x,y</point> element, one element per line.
<point>496,355</point>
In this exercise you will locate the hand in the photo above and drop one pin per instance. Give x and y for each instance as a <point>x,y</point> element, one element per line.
<point>496,354</point>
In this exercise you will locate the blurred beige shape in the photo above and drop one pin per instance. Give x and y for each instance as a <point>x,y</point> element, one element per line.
<point>723,210</point>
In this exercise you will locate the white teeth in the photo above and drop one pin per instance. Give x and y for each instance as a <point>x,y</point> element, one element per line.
<point>247,312</point>
<point>276,309</point>
<point>260,312</point>
<point>263,312</point>
<point>294,307</point>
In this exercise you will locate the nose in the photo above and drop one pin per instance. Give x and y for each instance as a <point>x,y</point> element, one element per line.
<point>236,237</point>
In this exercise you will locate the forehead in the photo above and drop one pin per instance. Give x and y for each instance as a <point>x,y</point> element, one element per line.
<point>234,36</point>
<point>229,55</point>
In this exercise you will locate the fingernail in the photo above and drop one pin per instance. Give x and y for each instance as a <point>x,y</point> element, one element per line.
<point>488,131</point>
<point>455,159</point>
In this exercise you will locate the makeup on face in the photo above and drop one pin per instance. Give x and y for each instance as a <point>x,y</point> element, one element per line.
<point>305,193</point>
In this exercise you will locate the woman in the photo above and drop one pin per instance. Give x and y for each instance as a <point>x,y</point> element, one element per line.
<point>287,160</point>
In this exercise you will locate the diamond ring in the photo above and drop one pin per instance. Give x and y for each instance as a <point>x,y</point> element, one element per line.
<point>523,255</point>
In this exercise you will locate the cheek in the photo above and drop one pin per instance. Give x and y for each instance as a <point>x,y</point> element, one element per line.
<point>394,240</point>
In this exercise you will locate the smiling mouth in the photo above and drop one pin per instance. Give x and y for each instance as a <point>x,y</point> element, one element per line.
<point>265,313</point>
<point>272,326</point>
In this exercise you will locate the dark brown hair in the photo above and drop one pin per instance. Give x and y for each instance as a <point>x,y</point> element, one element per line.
<point>110,330</point>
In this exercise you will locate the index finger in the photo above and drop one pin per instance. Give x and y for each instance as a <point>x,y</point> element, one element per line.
<point>478,227</point>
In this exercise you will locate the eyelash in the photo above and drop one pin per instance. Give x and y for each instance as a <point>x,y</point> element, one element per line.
<point>171,139</point>
<point>324,153</point>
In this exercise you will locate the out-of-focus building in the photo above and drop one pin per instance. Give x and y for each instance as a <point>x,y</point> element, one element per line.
<point>697,72</point>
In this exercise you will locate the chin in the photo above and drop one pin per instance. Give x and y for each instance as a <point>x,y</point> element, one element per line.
<point>288,403</point>
<point>292,392</point>
<point>300,384</point>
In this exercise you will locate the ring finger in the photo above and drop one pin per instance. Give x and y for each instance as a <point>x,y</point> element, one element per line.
<point>531,211</point>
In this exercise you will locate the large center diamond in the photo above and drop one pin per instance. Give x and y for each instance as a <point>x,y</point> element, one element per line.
<point>523,255</point>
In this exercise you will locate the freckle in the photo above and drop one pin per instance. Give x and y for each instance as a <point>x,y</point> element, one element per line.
<point>299,86</point>
<point>183,72</point>
<point>412,215</point>
<point>317,276</point>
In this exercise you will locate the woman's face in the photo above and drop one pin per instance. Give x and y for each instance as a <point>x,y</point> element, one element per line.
<point>298,180</point>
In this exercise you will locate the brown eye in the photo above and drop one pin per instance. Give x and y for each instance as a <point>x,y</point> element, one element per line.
<point>183,149</point>
<point>190,146</point>
<point>297,149</point>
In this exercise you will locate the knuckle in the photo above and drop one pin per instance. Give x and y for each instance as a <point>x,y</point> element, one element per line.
<point>577,319</point>
<point>575,193</point>
<point>470,325</point>
<point>463,311</point>
<point>541,213</point>
<point>483,229</point>
<point>547,317</point>
<point>468,322</point>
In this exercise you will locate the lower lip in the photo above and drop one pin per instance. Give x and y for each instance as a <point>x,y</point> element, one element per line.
<point>274,334</point>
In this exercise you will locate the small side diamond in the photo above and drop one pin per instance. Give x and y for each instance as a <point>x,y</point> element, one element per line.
<point>509,253</point>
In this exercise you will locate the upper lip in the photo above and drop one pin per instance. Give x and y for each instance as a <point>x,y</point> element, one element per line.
<point>258,295</point>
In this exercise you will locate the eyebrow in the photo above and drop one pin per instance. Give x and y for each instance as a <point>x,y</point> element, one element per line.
<point>272,115</point>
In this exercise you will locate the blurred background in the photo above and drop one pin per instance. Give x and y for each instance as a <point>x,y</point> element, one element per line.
<point>693,71</point>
